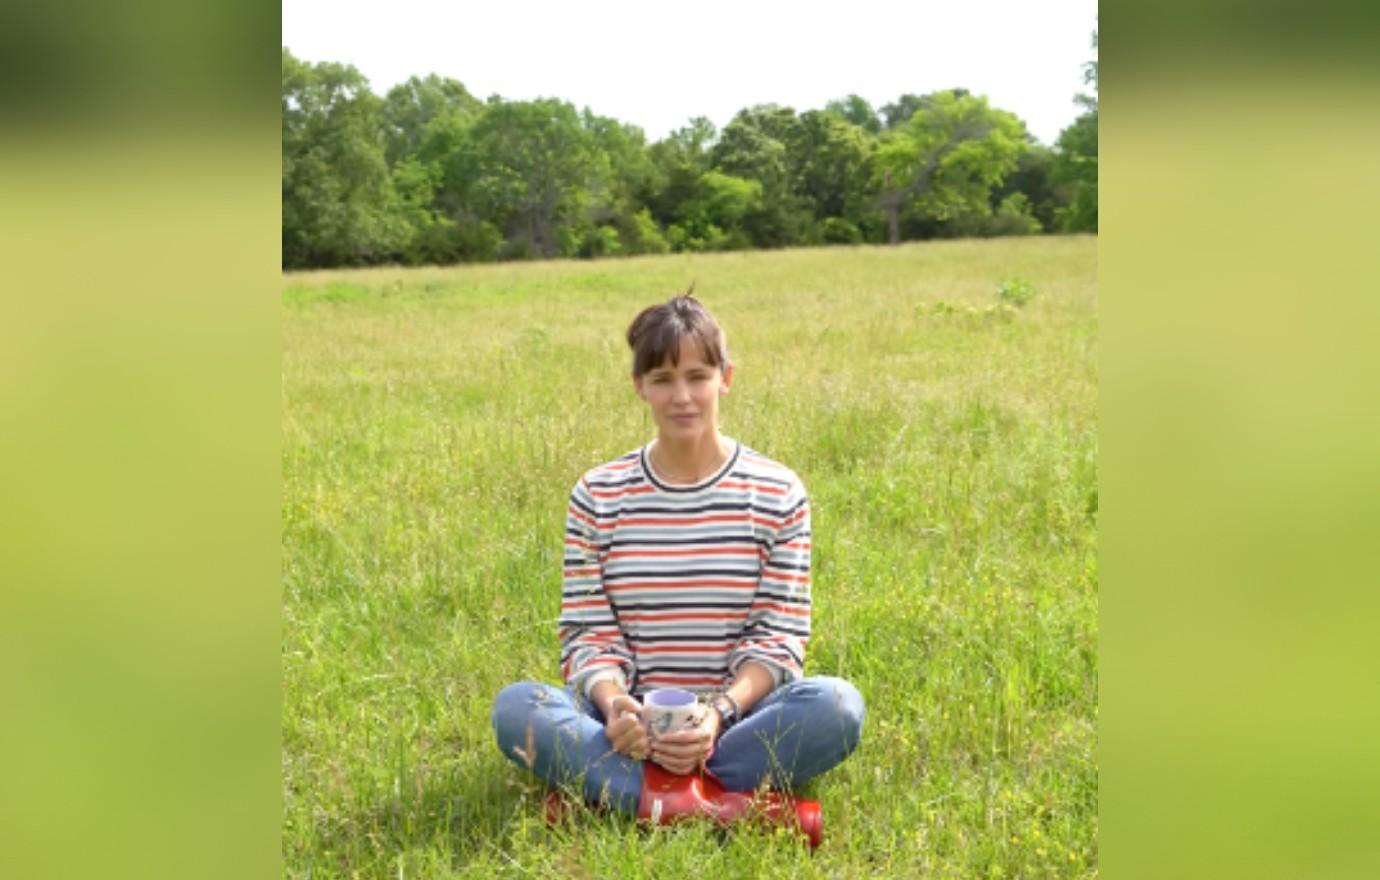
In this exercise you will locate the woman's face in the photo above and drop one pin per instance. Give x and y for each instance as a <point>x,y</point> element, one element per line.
<point>684,399</point>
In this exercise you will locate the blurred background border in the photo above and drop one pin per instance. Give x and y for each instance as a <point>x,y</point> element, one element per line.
<point>139,384</point>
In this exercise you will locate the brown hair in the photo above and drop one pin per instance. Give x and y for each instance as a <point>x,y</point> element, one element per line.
<point>656,333</point>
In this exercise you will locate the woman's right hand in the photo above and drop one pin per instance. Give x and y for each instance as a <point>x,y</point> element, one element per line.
<point>624,727</point>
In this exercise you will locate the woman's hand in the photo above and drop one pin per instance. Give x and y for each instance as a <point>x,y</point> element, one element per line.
<point>624,727</point>
<point>685,751</point>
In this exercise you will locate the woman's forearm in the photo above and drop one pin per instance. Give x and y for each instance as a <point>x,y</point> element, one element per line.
<point>602,694</point>
<point>753,682</point>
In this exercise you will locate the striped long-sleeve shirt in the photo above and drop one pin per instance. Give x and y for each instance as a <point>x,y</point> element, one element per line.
<point>676,586</point>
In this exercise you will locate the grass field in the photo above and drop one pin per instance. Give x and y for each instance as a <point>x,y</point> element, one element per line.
<point>434,421</point>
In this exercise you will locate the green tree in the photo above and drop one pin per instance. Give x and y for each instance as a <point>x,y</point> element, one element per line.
<point>855,110</point>
<point>758,145</point>
<point>713,218</point>
<point>524,168</point>
<point>425,123</point>
<point>1090,78</point>
<point>1033,178</point>
<point>945,161</point>
<point>414,111</point>
<point>428,241</point>
<point>678,161</point>
<point>430,174</point>
<point>1075,173</point>
<point>642,235</point>
<point>900,111</point>
<point>830,160</point>
<point>339,203</point>
<point>1075,161</point>
<point>621,177</point>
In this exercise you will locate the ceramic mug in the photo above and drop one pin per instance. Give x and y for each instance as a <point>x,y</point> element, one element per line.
<point>667,710</point>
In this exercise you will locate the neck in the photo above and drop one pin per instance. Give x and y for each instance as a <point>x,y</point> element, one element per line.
<point>691,460</point>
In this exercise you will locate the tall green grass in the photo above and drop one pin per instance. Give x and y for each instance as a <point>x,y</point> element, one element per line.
<point>434,421</point>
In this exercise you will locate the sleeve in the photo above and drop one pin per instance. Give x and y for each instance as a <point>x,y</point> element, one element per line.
<point>778,625</point>
<point>591,640</point>
<point>612,673</point>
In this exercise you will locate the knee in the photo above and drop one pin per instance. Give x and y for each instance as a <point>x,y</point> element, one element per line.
<point>512,710</point>
<point>838,701</point>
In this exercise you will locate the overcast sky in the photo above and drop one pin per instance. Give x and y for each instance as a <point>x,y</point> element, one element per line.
<point>656,64</point>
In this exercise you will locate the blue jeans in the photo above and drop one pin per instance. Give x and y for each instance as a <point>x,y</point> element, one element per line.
<point>795,733</point>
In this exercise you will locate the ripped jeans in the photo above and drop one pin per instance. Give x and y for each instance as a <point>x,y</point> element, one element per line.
<point>795,733</point>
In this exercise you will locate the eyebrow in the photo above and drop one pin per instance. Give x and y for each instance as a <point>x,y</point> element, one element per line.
<point>664,371</point>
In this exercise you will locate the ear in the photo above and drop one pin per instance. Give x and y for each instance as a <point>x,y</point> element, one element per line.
<point>728,379</point>
<point>637,387</point>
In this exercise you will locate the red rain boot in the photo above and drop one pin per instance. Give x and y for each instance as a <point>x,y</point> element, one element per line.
<point>668,797</point>
<point>556,806</point>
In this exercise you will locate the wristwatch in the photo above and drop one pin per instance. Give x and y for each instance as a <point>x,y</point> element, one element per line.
<point>727,707</point>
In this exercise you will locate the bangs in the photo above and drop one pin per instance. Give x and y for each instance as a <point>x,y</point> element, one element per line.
<point>657,333</point>
<point>663,344</point>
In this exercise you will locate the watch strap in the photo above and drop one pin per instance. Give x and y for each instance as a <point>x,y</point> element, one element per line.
<point>727,707</point>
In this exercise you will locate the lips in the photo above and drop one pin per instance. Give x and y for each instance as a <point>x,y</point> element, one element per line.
<point>685,418</point>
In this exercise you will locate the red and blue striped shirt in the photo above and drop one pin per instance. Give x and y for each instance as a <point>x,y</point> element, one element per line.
<point>676,586</point>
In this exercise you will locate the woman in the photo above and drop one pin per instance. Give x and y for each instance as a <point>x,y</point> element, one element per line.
<point>687,564</point>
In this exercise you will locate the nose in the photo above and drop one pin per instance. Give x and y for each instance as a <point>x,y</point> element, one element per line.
<point>680,392</point>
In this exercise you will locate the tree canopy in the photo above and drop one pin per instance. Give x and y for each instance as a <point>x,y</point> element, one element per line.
<point>1075,162</point>
<point>428,173</point>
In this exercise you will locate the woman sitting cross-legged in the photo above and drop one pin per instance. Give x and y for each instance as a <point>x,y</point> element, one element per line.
<point>687,565</point>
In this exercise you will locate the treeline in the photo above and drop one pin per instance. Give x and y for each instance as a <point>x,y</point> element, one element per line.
<point>430,174</point>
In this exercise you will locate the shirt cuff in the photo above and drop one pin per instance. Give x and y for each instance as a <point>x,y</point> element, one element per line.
<point>613,674</point>
<point>779,674</point>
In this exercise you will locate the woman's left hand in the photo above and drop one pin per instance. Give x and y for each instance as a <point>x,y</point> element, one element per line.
<point>685,751</point>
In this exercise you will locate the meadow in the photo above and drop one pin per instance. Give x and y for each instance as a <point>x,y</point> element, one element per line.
<point>434,421</point>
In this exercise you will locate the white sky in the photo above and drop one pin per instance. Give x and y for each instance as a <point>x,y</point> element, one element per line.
<point>656,64</point>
